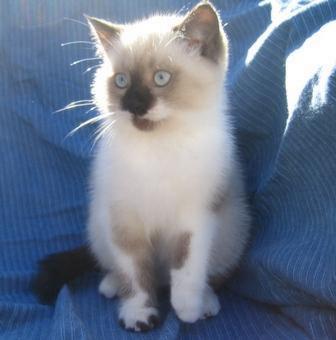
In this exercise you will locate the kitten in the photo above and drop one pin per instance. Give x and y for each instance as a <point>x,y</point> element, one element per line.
<point>168,204</point>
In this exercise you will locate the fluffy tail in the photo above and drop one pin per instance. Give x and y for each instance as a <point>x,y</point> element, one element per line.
<point>60,268</point>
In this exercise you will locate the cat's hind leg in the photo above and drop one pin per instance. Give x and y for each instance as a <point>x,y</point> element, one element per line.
<point>109,285</point>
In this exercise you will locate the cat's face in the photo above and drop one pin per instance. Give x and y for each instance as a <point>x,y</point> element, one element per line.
<point>158,69</point>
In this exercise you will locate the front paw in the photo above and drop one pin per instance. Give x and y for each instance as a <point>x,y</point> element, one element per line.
<point>137,317</point>
<point>187,304</point>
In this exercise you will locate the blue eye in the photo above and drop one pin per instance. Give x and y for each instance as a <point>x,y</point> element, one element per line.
<point>161,78</point>
<point>121,80</point>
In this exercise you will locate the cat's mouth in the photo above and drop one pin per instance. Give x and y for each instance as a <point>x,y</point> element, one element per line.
<point>144,124</point>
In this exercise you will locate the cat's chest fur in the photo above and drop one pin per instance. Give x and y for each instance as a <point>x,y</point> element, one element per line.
<point>153,177</point>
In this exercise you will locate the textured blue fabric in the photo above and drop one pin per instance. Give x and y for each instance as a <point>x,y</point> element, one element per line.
<point>283,93</point>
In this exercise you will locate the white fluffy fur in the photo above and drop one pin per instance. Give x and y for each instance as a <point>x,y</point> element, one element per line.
<point>166,180</point>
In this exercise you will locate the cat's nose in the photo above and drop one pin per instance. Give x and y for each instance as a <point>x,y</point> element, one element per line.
<point>137,100</point>
<point>138,106</point>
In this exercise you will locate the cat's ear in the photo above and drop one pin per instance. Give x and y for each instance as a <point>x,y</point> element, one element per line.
<point>202,28</point>
<point>105,32</point>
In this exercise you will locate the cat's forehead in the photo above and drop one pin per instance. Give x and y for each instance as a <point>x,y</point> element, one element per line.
<point>156,27</point>
<point>144,56</point>
<point>148,43</point>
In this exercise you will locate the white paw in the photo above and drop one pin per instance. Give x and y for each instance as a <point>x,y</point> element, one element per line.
<point>136,315</point>
<point>187,303</point>
<point>211,305</point>
<point>108,286</point>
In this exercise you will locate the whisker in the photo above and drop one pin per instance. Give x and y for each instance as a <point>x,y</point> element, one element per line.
<point>82,60</point>
<point>110,127</point>
<point>171,40</point>
<point>91,68</point>
<point>86,123</point>
<point>182,9</point>
<point>99,132</point>
<point>77,42</point>
<point>76,21</point>
<point>82,101</point>
<point>102,126</point>
<point>89,122</point>
<point>102,131</point>
<point>92,108</point>
<point>73,106</point>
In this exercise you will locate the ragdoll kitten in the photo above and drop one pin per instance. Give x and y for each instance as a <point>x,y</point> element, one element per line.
<point>168,204</point>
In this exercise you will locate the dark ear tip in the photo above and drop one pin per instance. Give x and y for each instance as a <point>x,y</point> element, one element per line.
<point>95,22</point>
<point>205,11</point>
<point>206,4</point>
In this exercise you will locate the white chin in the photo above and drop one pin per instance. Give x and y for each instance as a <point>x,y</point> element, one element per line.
<point>143,123</point>
<point>155,116</point>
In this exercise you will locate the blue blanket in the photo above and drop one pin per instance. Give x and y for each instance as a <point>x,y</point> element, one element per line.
<point>283,92</point>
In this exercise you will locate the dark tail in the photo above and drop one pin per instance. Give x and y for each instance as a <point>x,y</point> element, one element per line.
<point>60,268</point>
